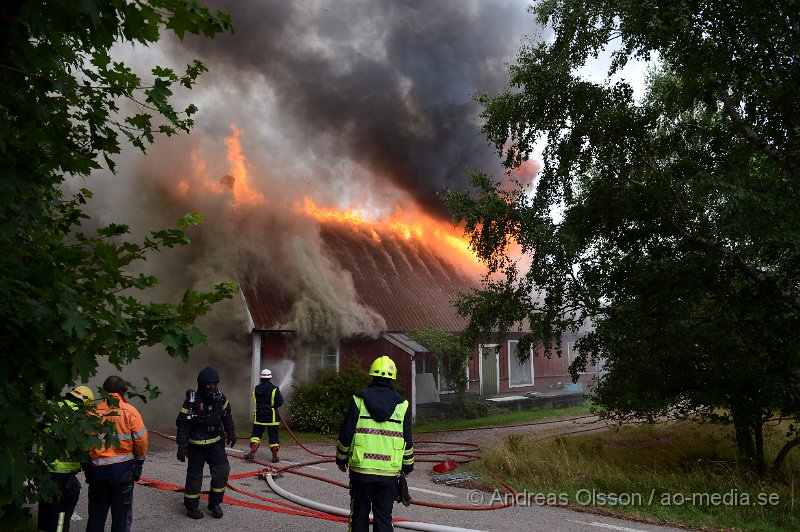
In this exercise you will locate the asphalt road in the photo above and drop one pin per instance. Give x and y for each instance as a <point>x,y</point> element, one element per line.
<point>158,510</point>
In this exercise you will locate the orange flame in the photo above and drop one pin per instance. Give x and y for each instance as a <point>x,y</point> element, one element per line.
<point>419,227</point>
<point>243,193</point>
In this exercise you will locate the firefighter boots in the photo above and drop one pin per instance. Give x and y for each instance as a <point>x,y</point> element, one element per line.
<point>252,453</point>
<point>214,500</point>
<point>192,509</point>
<point>274,450</point>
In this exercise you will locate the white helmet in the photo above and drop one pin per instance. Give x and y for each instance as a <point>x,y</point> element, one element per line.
<point>266,374</point>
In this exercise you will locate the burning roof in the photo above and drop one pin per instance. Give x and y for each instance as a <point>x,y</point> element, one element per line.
<point>404,281</point>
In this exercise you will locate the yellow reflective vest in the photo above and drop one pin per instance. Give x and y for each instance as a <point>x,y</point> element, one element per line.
<point>65,464</point>
<point>378,448</point>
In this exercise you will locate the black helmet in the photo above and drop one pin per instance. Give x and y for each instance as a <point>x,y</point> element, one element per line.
<point>207,375</point>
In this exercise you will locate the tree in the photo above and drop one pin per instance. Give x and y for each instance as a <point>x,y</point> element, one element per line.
<point>67,299</point>
<point>669,222</point>
<point>452,356</point>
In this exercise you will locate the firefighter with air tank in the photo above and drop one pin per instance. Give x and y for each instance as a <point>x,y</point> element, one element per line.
<point>204,426</point>
<point>268,399</point>
<point>375,443</point>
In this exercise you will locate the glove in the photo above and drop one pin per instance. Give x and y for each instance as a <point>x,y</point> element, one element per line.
<point>342,467</point>
<point>402,491</point>
<point>231,439</point>
<point>182,453</point>
<point>137,470</point>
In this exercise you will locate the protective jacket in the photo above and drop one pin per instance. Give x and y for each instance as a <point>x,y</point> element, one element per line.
<point>204,420</point>
<point>375,437</point>
<point>129,429</point>
<point>268,399</point>
<point>69,462</point>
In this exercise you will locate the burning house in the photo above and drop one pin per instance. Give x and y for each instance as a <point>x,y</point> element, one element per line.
<point>402,283</point>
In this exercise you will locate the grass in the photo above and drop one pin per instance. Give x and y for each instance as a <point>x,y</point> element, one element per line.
<point>505,418</point>
<point>673,473</point>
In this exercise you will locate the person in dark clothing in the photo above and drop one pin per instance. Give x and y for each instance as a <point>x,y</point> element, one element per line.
<point>375,443</point>
<point>55,515</point>
<point>268,399</point>
<point>204,425</point>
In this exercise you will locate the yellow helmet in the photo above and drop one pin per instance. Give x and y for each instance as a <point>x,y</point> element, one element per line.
<point>383,367</point>
<point>83,394</point>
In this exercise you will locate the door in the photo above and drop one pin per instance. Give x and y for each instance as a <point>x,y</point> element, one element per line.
<point>489,361</point>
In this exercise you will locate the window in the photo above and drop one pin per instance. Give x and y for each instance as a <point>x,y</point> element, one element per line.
<point>444,371</point>
<point>572,354</point>
<point>322,358</point>
<point>519,373</point>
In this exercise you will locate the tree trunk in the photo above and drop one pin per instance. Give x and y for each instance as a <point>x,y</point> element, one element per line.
<point>760,463</point>
<point>744,440</point>
<point>776,465</point>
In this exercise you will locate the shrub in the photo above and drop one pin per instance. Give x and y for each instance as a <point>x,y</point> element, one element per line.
<point>475,409</point>
<point>320,406</point>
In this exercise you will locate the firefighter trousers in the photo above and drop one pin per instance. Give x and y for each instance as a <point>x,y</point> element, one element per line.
<point>371,492</point>
<point>198,456</point>
<point>272,433</point>
<point>116,494</point>
<point>55,516</point>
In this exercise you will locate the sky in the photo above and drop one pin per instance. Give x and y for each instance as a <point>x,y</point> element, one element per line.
<point>352,104</point>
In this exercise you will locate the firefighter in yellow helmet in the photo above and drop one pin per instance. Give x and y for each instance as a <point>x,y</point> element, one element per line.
<point>375,443</point>
<point>55,515</point>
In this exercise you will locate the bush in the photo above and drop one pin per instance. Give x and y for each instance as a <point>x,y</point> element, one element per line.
<point>475,409</point>
<point>321,405</point>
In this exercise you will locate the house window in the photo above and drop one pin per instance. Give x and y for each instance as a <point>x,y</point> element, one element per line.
<point>519,373</point>
<point>322,358</point>
<point>572,354</point>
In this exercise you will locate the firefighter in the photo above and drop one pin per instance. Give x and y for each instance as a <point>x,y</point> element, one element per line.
<point>54,516</point>
<point>375,443</point>
<point>114,468</point>
<point>268,399</point>
<point>204,425</point>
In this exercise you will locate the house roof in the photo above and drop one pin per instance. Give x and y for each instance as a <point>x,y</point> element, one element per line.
<point>405,281</point>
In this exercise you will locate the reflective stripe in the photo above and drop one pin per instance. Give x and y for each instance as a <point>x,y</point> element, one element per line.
<point>63,466</point>
<point>60,525</point>
<point>376,456</point>
<point>255,440</point>
<point>272,400</point>
<point>129,436</point>
<point>205,442</point>
<point>218,490</point>
<point>113,459</point>
<point>187,496</point>
<point>184,411</point>
<point>380,432</point>
<point>374,471</point>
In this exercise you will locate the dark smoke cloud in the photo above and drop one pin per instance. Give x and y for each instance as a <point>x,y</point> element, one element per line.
<point>387,85</point>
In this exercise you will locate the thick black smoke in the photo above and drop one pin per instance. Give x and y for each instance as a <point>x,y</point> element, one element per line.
<point>389,85</point>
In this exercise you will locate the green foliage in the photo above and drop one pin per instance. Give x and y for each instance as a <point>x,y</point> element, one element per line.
<point>667,472</point>
<point>475,409</point>
<point>668,223</point>
<point>67,296</point>
<point>321,405</point>
<point>452,357</point>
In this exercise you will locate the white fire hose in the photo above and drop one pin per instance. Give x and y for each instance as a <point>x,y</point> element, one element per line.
<point>322,507</point>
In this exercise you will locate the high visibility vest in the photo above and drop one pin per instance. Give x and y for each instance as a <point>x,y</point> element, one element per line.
<point>377,448</point>
<point>65,464</point>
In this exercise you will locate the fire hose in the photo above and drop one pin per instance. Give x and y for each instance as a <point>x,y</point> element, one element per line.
<point>315,509</point>
<point>410,525</point>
